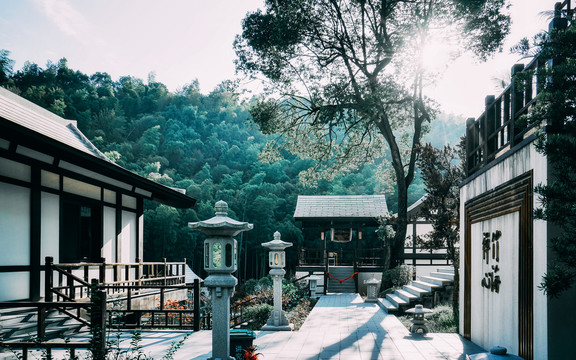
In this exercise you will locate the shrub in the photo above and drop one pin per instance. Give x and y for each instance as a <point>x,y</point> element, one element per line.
<point>442,320</point>
<point>397,277</point>
<point>257,315</point>
<point>265,283</point>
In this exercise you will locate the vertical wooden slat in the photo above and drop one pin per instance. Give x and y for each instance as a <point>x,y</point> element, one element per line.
<point>467,278</point>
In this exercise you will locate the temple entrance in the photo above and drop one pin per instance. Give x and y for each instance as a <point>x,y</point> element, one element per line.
<point>340,239</point>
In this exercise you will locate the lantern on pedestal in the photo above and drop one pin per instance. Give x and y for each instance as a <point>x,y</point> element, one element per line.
<point>220,261</point>
<point>277,261</point>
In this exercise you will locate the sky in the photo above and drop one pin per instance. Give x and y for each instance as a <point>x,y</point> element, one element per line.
<point>182,40</point>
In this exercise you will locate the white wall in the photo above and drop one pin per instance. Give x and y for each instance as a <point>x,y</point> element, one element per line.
<point>14,286</point>
<point>109,235</point>
<point>128,242</point>
<point>517,164</point>
<point>14,225</point>
<point>50,226</point>
<point>495,314</point>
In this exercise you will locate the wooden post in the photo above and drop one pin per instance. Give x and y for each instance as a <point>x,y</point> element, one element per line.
<point>41,323</point>
<point>70,285</point>
<point>470,145</point>
<point>516,103</point>
<point>98,322</point>
<point>102,272</point>
<point>489,127</point>
<point>196,304</point>
<point>165,274</point>
<point>48,279</point>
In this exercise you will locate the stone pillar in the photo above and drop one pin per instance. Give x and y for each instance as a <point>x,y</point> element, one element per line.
<point>277,261</point>
<point>220,261</point>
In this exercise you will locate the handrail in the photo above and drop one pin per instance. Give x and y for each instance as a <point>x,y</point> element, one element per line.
<point>497,129</point>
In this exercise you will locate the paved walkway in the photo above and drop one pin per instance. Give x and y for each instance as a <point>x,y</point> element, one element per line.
<point>341,326</point>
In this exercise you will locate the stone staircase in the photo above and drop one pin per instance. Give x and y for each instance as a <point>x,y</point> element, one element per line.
<point>341,272</point>
<point>20,324</point>
<point>416,291</point>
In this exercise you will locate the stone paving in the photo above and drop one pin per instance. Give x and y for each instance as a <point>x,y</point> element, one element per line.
<point>341,326</point>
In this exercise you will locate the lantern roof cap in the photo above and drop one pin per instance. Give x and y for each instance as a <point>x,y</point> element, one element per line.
<point>221,224</point>
<point>277,244</point>
<point>419,309</point>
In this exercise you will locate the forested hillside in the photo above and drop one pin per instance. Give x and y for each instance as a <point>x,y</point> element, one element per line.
<point>205,144</point>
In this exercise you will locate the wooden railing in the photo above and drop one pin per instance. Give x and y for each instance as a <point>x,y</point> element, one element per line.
<point>237,308</point>
<point>185,315</point>
<point>95,310</point>
<point>311,257</point>
<point>418,256</point>
<point>369,257</point>
<point>72,280</point>
<point>501,126</point>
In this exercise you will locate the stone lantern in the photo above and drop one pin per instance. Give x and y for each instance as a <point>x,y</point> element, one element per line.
<point>418,322</point>
<point>220,261</point>
<point>372,290</point>
<point>313,283</point>
<point>277,262</point>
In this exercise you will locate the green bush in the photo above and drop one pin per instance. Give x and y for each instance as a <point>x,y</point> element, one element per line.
<point>397,277</point>
<point>442,320</point>
<point>257,315</point>
<point>265,283</point>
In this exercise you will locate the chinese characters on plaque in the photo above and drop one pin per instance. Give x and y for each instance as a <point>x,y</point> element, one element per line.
<point>491,253</point>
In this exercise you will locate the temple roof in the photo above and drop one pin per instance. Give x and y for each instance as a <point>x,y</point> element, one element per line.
<point>34,131</point>
<point>341,207</point>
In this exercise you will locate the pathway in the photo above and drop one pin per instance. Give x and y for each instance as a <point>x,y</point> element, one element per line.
<point>341,326</point>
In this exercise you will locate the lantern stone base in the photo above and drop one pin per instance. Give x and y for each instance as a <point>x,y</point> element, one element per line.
<point>278,322</point>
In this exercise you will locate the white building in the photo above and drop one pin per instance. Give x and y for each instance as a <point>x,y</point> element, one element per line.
<point>61,197</point>
<point>504,250</point>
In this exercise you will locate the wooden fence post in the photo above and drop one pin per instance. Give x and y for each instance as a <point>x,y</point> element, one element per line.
<point>48,279</point>
<point>102,271</point>
<point>98,322</point>
<point>196,304</point>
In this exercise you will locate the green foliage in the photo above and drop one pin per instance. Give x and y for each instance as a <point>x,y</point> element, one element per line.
<point>202,143</point>
<point>556,106</point>
<point>345,80</point>
<point>257,315</point>
<point>397,277</point>
<point>442,172</point>
<point>442,320</point>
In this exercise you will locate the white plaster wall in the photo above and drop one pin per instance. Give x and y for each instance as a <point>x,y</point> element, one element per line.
<point>14,286</point>
<point>50,226</point>
<point>14,226</point>
<point>519,163</point>
<point>140,239</point>
<point>109,234</point>
<point>128,242</point>
<point>494,314</point>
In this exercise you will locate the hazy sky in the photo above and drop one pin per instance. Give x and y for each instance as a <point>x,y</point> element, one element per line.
<point>183,40</point>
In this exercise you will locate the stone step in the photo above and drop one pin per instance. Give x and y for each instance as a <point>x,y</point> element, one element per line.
<point>443,275</point>
<point>434,280</point>
<point>406,295</point>
<point>425,285</point>
<point>387,306</point>
<point>447,271</point>
<point>414,290</point>
<point>396,300</point>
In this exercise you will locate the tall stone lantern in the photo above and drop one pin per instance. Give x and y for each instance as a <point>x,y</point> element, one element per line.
<point>220,261</point>
<point>277,262</point>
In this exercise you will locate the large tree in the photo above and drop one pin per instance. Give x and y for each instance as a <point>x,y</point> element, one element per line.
<point>345,78</point>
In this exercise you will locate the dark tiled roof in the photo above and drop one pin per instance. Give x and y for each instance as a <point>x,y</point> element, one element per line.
<point>344,206</point>
<point>44,130</point>
<point>31,116</point>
